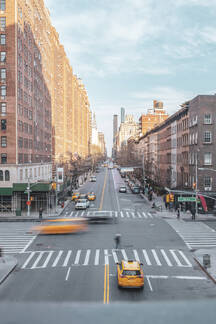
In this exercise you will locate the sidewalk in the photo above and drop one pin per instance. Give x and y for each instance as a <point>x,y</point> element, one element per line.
<point>211,271</point>
<point>7,265</point>
<point>166,213</point>
<point>34,217</point>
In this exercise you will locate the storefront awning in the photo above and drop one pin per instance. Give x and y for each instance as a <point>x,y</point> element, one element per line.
<point>6,191</point>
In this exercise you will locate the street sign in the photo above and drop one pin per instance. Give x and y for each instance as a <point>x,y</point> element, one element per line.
<point>189,199</point>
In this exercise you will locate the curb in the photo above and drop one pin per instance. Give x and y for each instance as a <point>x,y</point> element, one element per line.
<point>206,272</point>
<point>9,272</point>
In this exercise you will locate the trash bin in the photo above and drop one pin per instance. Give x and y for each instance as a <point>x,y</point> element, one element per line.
<point>18,212</point>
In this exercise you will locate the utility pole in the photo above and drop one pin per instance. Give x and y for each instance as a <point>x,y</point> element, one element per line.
<point>28,192</point>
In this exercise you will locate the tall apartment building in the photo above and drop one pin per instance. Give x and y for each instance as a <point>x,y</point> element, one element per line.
<point>122,114</point>
<point>154,117</point>
<point>44,107</point>
<point>127,129</point>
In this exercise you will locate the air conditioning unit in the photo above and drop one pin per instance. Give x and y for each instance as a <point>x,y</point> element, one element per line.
<point>208,188</point>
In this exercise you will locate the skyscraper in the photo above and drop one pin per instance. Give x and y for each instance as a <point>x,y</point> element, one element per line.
<point>115,126</point>
<point>122,115</point>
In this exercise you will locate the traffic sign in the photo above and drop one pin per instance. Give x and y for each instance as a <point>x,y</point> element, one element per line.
<point>189,199</point>
<point>28,203</point>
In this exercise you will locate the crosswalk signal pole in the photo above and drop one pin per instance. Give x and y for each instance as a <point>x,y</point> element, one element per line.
<point>196,190</point>
<point>28,192</point>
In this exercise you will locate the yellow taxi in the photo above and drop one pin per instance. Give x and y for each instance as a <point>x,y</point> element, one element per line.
<point>130,274</point>
<point>61,226</point>
<point>91,196</point>
<point>75,196</point>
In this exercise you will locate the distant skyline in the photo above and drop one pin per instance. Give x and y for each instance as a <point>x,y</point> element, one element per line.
<point>130,52</point>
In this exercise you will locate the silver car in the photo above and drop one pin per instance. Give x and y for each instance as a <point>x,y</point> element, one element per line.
<point>82,204</point>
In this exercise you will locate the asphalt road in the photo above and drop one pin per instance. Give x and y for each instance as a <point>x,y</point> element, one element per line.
<point>81,267</point>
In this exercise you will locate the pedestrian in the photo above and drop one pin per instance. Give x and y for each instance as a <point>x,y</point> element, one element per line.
<point>117,240</point>
<point>178,213</point>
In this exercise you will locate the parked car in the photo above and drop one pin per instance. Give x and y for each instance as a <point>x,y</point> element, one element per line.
<point>122,189</point>
<point>93,179</point>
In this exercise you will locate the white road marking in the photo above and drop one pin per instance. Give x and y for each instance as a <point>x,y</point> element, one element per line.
<point>150,215</point>
<point>127,214</point>
<point>124,255</point>
<point>77,257</point>
<point>147,258</point>
<point>97,256</point>
<point>106,256</point>
<point>117,200</point>
<point>176,258</point>
<point>67,258</point>
<point>47,259</point>
<point>133,214</point>
<point>115,256</point>
<point>156,257</point>
<point>68,273</point>
<point>71,214</point>
<point>82,214</point>
<point>88,252</point>
<point>166,258</point>
<point>144,215</point>
<point>149,283</point>
<point>28,260</point>
<point>136,256</point>
<point>38,260</point>
<point>186,259</point>
<point>176,277</point>
<point>139,215</point>
<point>57,259</point>
<point>122,215</point>
<point>76,215</point>
<point>116,214</point>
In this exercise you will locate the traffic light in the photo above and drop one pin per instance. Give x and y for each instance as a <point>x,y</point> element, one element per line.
<point>194,185</point>
<point>31,198</point>
<point>167,198</point>
<point>171,197</point>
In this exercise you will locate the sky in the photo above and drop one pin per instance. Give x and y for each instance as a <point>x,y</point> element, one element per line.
<point>130,52</point>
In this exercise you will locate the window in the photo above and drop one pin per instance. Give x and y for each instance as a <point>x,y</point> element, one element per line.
<point>26,128</point>
<point>2,23</point>
<point>207,182</point>
<point>20,158</point>
<point>21,175</point>
<point>2,39</point>
<point>30,144</point>
<point>25,158</point>
<point>3,158</point>
<point>25,142</point>
<point>30,114</point>
<point>207,137</point>
<point>1,176</point>
<point>3,74</point>
<point>3,124</point>
<point>30,129</point>
<point>3,57</point>
<point>20,125</point>
<point>3,108</point>
<point>3,91</point>
<point>2,5</point>
<point>20,143</point>
<point>26,173</point>
<point>3,141</point>
<point>207,119</point>
<point>207,158</point>
<point>20,110</point>
<point>7,175</point>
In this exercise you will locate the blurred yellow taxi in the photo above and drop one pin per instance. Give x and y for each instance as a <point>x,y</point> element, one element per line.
<point>75,196</point>
<point>61,226</point>
<point>91,196</point>
<point>130,274</point>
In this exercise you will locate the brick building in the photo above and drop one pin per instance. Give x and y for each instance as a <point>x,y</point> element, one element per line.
<point>44,107</point>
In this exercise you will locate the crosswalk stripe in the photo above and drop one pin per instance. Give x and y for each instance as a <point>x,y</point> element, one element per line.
<point>97,256</point>
<point>150,215</point>
<point>88,252</point>
<point>185,258</point>
<point>67,258</point>
<point>146,258</point>
<point>144,215</point>
<point>139,215</point>
<point>124,254</point>
<point>115,256</point>
<point>122,215</point>
<point>77,257</point>
<point>127,214</point>
<point>133,214</point>
<point>28,260</point>
<point>47,259</point>
<point>176,258</point>
<point>38,260</point>
<point>156,257</point>
<point>106,256</point>
<point>116,214</point>
<point>57,258</point>
<point>166,258</point>
<point>136,255</point>
<point>82,214</point>
<point>71,214</point>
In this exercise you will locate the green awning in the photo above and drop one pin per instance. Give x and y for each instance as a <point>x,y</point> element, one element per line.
<point>6,191</point>
<point>35,187</point>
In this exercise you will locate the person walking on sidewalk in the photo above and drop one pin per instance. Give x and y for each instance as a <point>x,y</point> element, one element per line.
<point>178,213</point>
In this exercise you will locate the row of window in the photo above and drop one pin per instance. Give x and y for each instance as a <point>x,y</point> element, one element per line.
<point>24,127</point>
<point>207,181</point>
<point>207,158</point>
<point>24,142</point>
<point>2,5</point>
<point>4,176</point>
<point>28,173</point>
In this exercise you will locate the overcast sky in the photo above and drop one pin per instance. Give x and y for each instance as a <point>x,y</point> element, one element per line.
<point>130,52</point>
